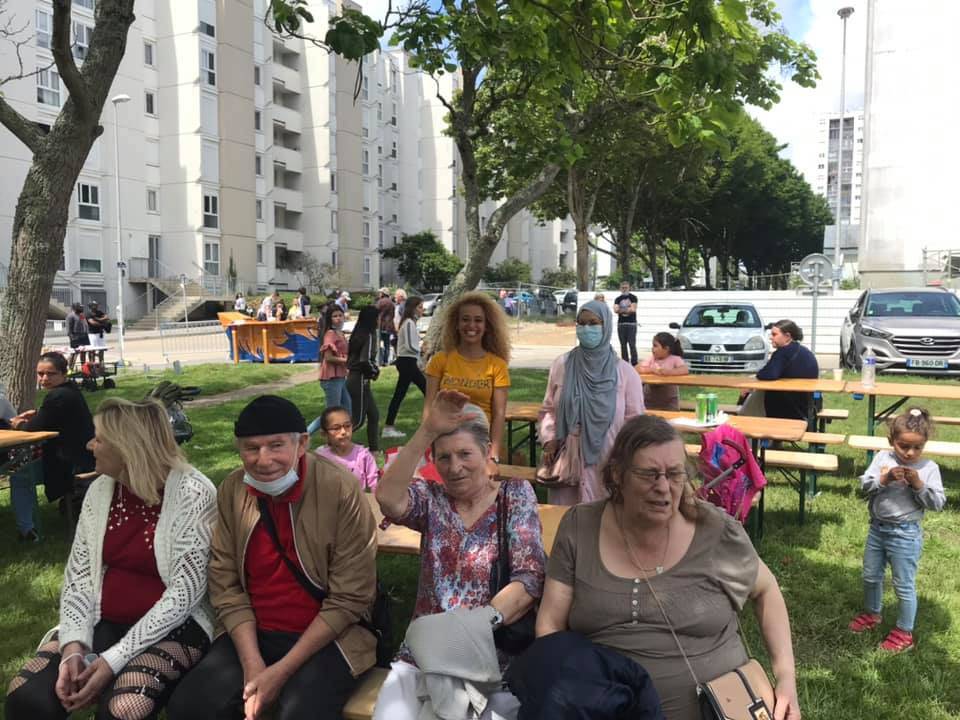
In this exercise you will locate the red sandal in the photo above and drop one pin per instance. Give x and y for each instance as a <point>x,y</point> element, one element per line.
<point>897,641</point>
<point>864,622</point>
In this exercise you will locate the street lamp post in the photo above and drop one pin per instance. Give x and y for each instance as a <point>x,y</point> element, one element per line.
<point>117,100</point>
<point>844,13</point>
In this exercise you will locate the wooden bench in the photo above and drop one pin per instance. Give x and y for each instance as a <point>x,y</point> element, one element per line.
<point>692,405</point>
<point>822,439</point>
<point>364,699</point>
<point>875,443</point>
<point>828,415</point>
<point>517,471</point>
<point>944,420</point>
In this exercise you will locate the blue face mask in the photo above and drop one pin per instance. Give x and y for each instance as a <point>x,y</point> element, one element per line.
<point>275,488</point>
<point>590,336</point>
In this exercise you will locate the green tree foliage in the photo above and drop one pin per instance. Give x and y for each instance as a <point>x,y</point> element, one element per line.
<point>558,277</point>
<point>510,270</point>
<point>423,261</point>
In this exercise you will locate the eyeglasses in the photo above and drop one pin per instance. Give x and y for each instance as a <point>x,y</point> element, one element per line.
<point>651,477</point>
<point>337,428</point>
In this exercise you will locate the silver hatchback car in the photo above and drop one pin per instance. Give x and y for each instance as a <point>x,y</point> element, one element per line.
<point>723,337</point>
<point>915,330</point>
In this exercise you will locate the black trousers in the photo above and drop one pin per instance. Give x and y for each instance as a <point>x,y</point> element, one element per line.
<point>628,341</point>
<point>364,408</point>
<point>214,689</point>
<point>409,372</point>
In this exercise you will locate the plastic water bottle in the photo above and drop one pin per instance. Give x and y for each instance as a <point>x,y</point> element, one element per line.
<point>868,377</point>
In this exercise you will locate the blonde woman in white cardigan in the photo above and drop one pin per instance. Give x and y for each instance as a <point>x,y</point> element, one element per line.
<point>133,611</point>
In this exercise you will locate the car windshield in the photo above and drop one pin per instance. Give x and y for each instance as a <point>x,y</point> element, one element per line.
<point>723,316</point>
<point>913,304</point>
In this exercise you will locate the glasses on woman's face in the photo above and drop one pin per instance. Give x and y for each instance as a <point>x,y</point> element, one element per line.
<point>348,426</point>
<point>651,476</point>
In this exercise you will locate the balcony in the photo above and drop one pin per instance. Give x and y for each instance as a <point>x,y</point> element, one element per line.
<point>287,77</point>
<point>291,239</point>
<point>290,120</point>
<point>291,159</point>
<point>292,200</point>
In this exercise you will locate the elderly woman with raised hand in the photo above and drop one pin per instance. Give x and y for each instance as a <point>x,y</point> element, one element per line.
<point>133,611</point>
<point>626,571</point>
<point>590,394</point>
<point>459,522</point>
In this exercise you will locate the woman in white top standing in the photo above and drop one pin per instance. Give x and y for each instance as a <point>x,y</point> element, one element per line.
<point>408,362</point>
<point>133,611</point>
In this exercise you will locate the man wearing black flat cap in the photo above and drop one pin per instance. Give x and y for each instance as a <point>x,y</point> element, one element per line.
<point>292,572</point>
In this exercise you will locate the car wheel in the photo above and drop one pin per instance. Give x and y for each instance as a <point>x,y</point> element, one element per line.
<point>843,357</point>
<point>853,358</point>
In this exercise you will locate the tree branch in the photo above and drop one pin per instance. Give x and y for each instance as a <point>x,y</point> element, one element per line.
<point>521,199</point>
<point>62,51</point>
<point>24,130</point>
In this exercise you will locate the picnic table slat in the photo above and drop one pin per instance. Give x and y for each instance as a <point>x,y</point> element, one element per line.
<point>937,391</point>
<point>755,428</point>
<point>13,438</point>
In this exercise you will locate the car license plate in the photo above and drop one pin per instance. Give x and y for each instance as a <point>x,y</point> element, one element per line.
<point>927,363</point>
<point>718,358</point>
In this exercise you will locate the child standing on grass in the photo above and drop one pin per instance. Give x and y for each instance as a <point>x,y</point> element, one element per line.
<point>900,485</point>
<point>666,358</point>
<point>338,429</point>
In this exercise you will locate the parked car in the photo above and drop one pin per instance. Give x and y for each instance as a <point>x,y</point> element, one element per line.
<point>913,330</point>
<point>723,337</point>
<point>568,300</point>
<point>430,303</point>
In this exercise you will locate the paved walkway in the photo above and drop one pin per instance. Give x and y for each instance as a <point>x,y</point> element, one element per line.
<point>252,390</point>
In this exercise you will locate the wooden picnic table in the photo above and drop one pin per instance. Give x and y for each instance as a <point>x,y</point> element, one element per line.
<point>748,382</point>
<point>18,446</point>
<point>755,428</point>
<point>902,391</point>
<point>526,413</point>
<point>733,382</point>
<point>399,540</point>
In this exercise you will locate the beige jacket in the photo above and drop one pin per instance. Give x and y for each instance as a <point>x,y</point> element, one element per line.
<point>336,542</point>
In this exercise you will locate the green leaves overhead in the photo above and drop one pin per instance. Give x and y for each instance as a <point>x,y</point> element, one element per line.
<point>353,35</point>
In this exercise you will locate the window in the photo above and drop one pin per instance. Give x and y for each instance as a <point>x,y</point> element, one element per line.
<point>379,112</point>
<point>256,74</point>
<point>81,39</point>
<point>258,164</point>
<point>393,186</point>
<point>88,4</point>
<point>90,265</point>
<point>333,220</point>
<point>393,78</point>
<point>393,149</point>
<point>333,181</point>
<point>366,234</point>
<point>258,206</point>
<point>48,87</point>
<point>257,120</point>
<point>379,150</point>
<point>380,238</point>
<point>393,218</point>
<point>380,175</point>
<point>211,258</point>
<point>211,210</point>
<point>88,199</point>
<point>365,162</point>
<point>366,88</point>
<point>148,53</point>
<point>393,115</point>
<point>366,270</point>
<point>150,102</point>
<point>153,200</point>
<point>333,258</point>
<point>259,253</point>
<point>208,29</point>
<point>44,22</point>
<point>208,67</point>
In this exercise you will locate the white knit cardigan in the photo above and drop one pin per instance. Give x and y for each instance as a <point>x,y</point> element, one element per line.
<point>182,546</point>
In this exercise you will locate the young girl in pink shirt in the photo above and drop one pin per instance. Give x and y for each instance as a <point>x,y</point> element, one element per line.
<point>666,358</point>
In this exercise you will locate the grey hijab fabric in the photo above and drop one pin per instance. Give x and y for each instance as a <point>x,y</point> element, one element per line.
<point>589,395</point>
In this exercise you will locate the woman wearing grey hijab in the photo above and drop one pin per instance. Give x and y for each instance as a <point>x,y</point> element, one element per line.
<point>590,394</point>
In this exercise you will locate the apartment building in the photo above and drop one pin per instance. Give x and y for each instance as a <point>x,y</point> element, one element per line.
<point>239,155</point>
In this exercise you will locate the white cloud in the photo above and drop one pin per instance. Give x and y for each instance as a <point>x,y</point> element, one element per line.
<point>794,119</point>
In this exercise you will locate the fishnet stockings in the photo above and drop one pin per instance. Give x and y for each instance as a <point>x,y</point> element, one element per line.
<point>47,653</point>
<point>147,678</point>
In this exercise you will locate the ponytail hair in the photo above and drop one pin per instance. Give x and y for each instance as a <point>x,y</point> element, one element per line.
<point>670,342</point>
<point>915,420</point>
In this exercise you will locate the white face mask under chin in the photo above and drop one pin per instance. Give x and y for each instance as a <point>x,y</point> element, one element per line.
<point>274,488</point>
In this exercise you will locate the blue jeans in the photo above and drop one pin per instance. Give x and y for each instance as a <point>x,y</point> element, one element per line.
<point>901,546</point>
<point>23,494</point>
<point>335,391</point>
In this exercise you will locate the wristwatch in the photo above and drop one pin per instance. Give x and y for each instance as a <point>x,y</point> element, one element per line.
<point>496,620</point>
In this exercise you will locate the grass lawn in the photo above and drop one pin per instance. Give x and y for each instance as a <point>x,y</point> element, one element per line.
<point>841,676</point>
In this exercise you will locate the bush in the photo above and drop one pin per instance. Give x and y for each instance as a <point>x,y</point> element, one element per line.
<point>510,270</point>
<point>559,278</point>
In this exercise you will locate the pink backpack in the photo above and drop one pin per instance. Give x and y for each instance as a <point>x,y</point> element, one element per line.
<point>731,475</point>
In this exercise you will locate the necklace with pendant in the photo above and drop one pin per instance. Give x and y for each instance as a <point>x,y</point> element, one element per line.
<point>633,558</point>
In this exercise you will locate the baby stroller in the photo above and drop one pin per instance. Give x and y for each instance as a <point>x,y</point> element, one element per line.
<point>731,476</point>
<point>173,396</point>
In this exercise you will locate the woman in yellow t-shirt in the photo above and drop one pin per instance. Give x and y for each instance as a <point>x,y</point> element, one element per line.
<point>476,350</point>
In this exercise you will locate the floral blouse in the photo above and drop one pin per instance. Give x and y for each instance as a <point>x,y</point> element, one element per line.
<point>455,561</point>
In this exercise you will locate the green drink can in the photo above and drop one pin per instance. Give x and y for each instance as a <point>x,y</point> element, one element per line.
<point>701,407</point>
<point>713,407</point>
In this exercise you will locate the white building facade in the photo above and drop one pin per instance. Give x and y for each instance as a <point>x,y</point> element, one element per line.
<point>240,154</point>
<point>834,144</point>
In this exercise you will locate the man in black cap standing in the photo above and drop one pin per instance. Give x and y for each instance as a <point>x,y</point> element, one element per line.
<point>292,573</point>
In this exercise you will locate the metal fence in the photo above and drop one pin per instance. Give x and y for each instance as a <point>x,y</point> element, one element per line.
<point>184,340</point>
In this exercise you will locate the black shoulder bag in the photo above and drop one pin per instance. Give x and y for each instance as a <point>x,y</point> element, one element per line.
<point>516,637</point>
<point>380,625</point>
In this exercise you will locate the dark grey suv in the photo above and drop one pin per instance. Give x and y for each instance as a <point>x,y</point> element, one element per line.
<point>915,330</point>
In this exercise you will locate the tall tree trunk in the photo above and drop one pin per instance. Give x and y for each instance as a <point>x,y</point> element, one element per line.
<point>580,207</point>
<point>705,257</point>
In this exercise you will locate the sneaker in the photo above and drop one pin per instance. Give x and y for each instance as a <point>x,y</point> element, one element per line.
<point>897,641</point>
<point>30,536</point>
<point>864,622</point>
<point>392,432</point>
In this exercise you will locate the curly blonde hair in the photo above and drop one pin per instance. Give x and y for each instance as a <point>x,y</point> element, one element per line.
<point>496,338</point>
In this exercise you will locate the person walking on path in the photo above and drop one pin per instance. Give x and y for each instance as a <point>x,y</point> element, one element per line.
<point>386,323</point>
<point>361,371</point>
<point>333,352</point>
<point>625,306</point>
<point>408,363</point>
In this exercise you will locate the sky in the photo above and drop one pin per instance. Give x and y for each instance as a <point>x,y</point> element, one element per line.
<point>794,119</point>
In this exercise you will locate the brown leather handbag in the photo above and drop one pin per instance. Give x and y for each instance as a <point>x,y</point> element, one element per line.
<point>562,470</point>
